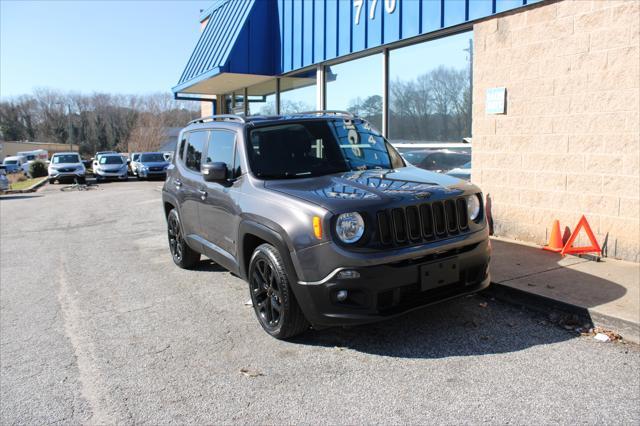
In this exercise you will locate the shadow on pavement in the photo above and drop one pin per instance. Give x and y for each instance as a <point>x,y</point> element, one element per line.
<point>560,289</point>
<point>207,265</point>
<point>460,327</point>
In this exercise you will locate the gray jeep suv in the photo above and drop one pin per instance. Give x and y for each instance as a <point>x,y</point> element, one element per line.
<point>323,218</point>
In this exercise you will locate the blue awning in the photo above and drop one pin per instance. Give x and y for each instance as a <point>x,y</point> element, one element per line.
<point>237,48</point>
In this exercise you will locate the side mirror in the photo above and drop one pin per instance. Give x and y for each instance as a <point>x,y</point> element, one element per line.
<point>214,172</point>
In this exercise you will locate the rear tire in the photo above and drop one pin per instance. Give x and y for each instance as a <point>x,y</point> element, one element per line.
<point>273,300</point>
<point>181,253</point>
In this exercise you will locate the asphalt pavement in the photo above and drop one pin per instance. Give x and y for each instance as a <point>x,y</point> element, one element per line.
<point>98,326</point>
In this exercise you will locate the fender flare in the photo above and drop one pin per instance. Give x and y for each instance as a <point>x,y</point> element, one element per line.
<point>270,236</point>
<point>171,199</point>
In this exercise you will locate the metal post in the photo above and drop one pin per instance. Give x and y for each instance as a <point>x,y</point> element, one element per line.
<point>278,96</point>
<point>70,139</point>
<point>385,93</point>
<point>320,95</point>
<point>245,101</point>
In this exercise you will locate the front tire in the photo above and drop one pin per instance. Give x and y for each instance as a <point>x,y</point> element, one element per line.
<point>181,253</point>
<point>273,300</point>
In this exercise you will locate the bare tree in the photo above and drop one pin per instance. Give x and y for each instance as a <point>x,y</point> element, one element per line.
<point>95,122</point>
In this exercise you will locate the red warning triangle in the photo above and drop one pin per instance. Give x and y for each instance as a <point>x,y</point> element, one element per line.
<point>593,248</point>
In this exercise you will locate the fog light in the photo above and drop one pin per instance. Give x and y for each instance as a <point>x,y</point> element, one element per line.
<point>342,295</point>
<point>348,274</point>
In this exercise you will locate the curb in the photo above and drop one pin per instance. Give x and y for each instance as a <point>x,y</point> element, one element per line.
<point>32,188</point>
<point>630,331</point>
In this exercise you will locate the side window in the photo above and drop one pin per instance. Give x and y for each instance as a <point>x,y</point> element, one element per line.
<point>222,149</point>
<point>195,147</point>
<point>183,142</point>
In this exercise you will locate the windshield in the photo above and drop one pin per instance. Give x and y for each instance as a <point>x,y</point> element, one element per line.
<point>10,162</point>
<point>315,148</point>
<point>58,159</point>
<point>135,157</point>
<point>154,157</point>
<point>111,159</point>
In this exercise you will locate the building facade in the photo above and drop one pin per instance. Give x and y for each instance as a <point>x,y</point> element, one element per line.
<point>548,92</point>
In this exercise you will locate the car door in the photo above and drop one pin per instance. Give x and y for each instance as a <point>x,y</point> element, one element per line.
<point>218,213</point>
<point>188,183</point>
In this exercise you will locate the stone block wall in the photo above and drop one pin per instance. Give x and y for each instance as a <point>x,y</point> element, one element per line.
<point>569,142</point>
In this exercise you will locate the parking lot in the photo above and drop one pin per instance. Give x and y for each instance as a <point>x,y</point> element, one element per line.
<point>99,326</point>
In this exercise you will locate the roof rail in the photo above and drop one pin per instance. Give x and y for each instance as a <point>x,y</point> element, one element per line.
<point>326,111</point>
<point>221,117</point>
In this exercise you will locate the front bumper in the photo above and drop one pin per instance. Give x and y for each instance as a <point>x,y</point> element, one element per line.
<point>386,290</point>
<point>122,175</point>
<point>54,174</point>
<point>152,174</point>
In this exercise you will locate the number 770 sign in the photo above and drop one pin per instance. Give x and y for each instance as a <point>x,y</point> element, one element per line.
<point>389,7</point>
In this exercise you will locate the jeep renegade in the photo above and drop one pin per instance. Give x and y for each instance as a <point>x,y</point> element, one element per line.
<point>323,218</point>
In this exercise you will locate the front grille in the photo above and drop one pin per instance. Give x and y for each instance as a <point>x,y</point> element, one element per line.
<point>424,222</point>
<point>155,169</point>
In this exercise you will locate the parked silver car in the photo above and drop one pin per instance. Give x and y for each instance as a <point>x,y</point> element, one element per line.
<point>134,163</point>
<point>111,166</point>
<point>66,165</point>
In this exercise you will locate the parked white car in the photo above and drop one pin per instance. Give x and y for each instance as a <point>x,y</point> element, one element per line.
<point>66,165</point>
<point>135,163</point>
<point>16,164</point>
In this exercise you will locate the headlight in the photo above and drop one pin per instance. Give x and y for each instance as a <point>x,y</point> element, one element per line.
<point>350,227</point>
<point>473,206</point>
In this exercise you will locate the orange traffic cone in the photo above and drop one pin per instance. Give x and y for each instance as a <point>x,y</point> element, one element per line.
<point>555,240</point>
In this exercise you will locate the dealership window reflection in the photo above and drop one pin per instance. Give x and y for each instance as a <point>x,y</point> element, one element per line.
<point>298,92</point>
<point>356,86</point>
<point>262,98</point>
<point>430,90</point>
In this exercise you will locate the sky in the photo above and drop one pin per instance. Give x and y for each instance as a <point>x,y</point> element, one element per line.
<point>127,47</point>
<point>138,47</point>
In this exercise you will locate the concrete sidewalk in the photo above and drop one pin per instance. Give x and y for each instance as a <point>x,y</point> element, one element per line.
<point>608,292</point>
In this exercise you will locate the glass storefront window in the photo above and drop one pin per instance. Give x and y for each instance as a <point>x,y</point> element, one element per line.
<point>356,86</point>
<point>298,92</point>
<point>262,98</point>
<point>430,90</point>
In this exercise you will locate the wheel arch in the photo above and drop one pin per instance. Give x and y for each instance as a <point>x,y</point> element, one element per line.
<point>250,235</point>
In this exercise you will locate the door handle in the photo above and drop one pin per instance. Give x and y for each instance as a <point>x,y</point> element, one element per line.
<point>203,194</point>
<point>177,183</point>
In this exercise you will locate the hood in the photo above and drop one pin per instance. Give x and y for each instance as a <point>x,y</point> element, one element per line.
<point>362,189</point>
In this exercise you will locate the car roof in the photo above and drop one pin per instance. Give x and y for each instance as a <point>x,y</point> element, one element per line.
<point>112,155</point>
<point>65,153</point>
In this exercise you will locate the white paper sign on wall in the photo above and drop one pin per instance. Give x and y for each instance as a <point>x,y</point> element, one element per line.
<point>496,100</point>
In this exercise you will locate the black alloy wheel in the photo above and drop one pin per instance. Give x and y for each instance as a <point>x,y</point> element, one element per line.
<point>273,300</point>
<point>181,253</point>
<point>266,293</point>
